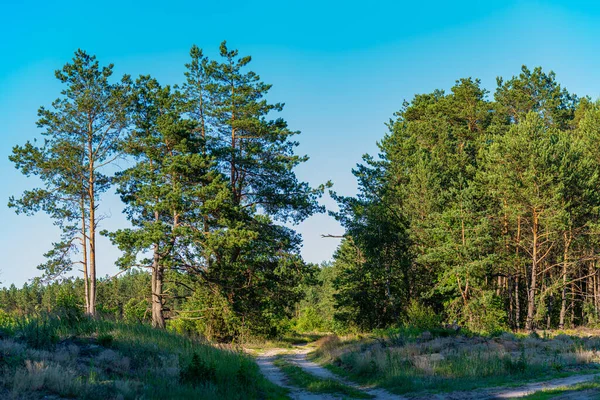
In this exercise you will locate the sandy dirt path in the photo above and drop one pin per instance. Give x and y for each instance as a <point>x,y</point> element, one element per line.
<point>272,373</point>
<point>528,389</point>
<point>298,357</point>
<point>522,391</point>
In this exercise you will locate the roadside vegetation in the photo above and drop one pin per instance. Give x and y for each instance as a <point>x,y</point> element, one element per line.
<point>92,359</point>
<point>411,361</point>
<point>300,378</point>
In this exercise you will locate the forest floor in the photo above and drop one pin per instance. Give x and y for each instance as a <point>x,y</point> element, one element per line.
<point>292,369</point>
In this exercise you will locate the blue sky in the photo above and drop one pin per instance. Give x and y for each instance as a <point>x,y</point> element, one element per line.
<point>342,68</point>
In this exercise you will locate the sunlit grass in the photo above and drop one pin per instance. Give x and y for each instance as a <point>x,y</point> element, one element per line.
<point>106,359</point>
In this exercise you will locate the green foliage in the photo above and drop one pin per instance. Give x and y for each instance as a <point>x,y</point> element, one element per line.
<point>481,208</point>
<point>135,311</point>
<point>82,131</point>
<point>212,175</point>
<point>421,317</point>
<point>197,372</point>
<point>316,310</point>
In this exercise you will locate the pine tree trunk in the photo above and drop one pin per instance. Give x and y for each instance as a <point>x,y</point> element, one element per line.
<point>517,304</point>
<point>92,240</point>
<point>529,325</point>
<point>92,228</point>
<point>517,299</point>
<point>572,304</point>
<point>563,304</point>
<point>84,245</point>
<point>158,318</point>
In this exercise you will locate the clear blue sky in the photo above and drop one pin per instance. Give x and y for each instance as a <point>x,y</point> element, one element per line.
<point>342,68</point>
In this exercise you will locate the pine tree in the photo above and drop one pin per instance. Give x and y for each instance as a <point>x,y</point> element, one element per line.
<point>82,132</point>
<point>167,190</point>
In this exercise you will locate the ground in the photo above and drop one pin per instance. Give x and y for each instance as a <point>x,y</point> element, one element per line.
<point>307,374</point>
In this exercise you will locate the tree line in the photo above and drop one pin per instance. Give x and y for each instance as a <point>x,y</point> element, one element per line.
<point>206,176</point>
<point>482,208</point>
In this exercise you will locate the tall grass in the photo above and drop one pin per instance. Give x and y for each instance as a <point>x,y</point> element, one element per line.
<point>411,362</point>
<point>116,360</point>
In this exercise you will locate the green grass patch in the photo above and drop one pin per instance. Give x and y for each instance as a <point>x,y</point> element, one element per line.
<point>300,378</point>
<point>552,393</point>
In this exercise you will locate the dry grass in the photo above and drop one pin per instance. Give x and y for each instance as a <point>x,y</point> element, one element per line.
<point>115,361</point>
<point>412,364</point>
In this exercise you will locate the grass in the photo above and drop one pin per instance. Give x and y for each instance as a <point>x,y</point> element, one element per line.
<point>300,378</point>
<point>411,363</point>
<point>549,394</point>
<point>92,359</point>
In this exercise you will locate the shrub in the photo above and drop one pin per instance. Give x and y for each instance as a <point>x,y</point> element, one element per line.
<point>309,320</point>
<point>245,373</point>
<point>67,308</point>
<point>134,311</point>
<point>197,372</point>
<point>421,316</point>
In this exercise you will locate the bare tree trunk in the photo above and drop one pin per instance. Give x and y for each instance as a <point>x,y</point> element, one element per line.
<point>92,283</point>
<point>92,228</point>
<point>233,176</point>
<point>517,305</point>
<point>511,308</point>
<point>597,290</point>
<point>572,304</point>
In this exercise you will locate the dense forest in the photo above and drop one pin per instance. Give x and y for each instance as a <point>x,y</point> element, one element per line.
<point>484,210</point>
<point>479,210</point>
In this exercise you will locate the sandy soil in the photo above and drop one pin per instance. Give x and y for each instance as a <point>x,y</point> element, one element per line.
<point>274,374</point>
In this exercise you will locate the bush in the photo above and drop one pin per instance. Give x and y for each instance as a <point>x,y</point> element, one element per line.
<point>518,366</point>
<point>197,372</point>
<point>309,320</point>
<point>67,308</point>
<point>135,311</point>
<point>422,317</point>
